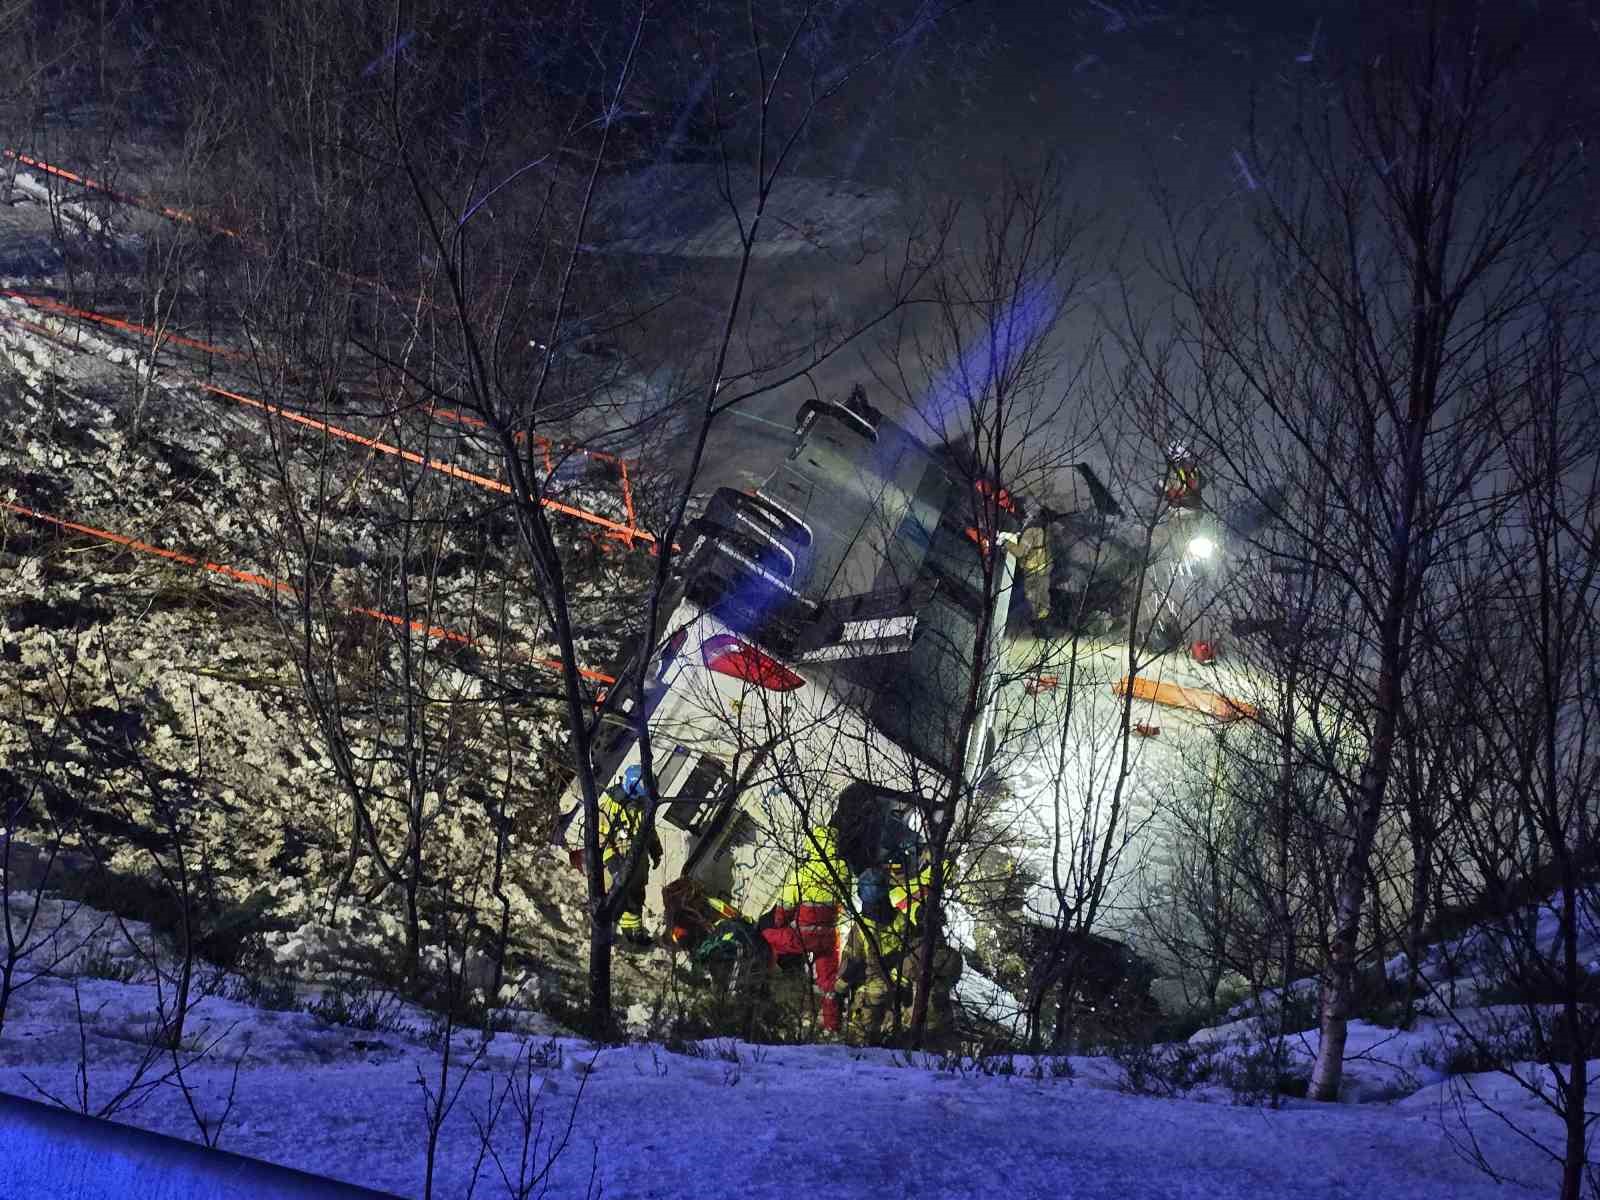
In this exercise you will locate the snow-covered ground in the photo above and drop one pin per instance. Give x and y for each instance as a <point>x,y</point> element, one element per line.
<point>725,1118</point>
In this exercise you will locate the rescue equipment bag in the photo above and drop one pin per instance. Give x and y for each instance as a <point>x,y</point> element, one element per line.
<point>730,939</point>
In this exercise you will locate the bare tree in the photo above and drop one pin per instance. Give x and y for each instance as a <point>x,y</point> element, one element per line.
<point>400,680</point>
<point>995,389</point>
<point>1204,911</point>
<point>503,308</point>
<point>38,822</point>
<point>1524,821</point>
<point>1404,232</point>
<point>34,46</point>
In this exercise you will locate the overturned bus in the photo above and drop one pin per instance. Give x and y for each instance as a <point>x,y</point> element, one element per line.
<point>824,632</point>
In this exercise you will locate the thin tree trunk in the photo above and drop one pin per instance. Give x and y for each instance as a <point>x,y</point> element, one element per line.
<point>1281,853</point>
<point>1421,886</point>
<point>600,940</point>
<point>1338,983</point>
<point>1576,1119</point>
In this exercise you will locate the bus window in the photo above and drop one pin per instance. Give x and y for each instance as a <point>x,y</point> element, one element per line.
<point>668,771</point>
<point>695,803</point>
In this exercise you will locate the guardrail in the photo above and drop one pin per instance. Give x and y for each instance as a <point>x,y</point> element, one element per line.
<point>48,1153</point>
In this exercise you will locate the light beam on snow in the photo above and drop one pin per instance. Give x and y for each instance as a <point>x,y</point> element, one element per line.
<point>1311,50</point>
<point>680,127</point>
<point>920,25</point>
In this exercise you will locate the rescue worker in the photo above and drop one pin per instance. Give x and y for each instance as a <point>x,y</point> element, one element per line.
<point>882,961</point>
<point>1182,489</point>
<point>869,977</point>
<point>857,403</point>
<point>1032,551</point>
<point>805,919</point>
<point>621,814</point>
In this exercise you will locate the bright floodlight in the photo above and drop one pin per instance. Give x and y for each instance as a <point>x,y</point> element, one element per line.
<point>1201,547</point>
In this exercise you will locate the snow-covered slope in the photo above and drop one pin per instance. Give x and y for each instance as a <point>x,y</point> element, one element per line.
<point>731,1119</point>
<point>162,671</point>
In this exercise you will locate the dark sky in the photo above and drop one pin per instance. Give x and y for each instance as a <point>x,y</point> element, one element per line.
<point>1116,87</point>
<point>1124,92</point>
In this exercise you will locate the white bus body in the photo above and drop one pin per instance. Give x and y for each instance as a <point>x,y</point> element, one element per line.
<point>825,636</point>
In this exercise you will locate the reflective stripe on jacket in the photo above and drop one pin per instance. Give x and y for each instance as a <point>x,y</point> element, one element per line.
<point>907,896</point>
<point>874,949</point>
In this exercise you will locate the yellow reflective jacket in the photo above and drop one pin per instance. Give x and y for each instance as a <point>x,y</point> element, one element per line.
<point>1034,547</point>
<point>873,950</point>
<point>619,825</point>
<point>897,961</point>
<point>907,897</point>
<point>821,876</point>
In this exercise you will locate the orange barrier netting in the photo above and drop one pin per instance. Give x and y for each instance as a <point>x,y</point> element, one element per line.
<point>177,214</point>
<point>546,447</point>
<point>627,534</point>
<point>44,331</point>
<point>273,585</point>
<point>623,533</point>
<point>85,314</point>
<point>94,185</point>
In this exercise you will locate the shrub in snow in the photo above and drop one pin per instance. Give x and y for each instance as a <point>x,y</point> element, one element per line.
<point>266,989</point>
<point>100,961</point>
<point>1263,1074</point>
<point>1464,1054</point>
<point>360,1004</point>
<point>1512,1037</point>
<point>1251,1072</point>
<point>1167,1071</point>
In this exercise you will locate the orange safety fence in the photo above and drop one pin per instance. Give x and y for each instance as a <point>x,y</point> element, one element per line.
<point>178,214</point>
<point>94,185</point>
<point>1214,704</point>
<point>624,533</point>
<point>627,534</point>
<point>44,331</point>
<point>84,314</point>
<point>548,449</point>
<point>272,585</point>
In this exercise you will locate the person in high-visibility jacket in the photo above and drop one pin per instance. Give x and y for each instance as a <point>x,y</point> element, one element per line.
<point>869,976</point>
<point>805,919</point>
<point>1182,484</point>
<point>1032,551</point>
<point>947,963</point>
<point>621,816</point>
<point>882,960</point>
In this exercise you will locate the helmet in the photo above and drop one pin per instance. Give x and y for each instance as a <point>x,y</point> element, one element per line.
<point>633,781</point>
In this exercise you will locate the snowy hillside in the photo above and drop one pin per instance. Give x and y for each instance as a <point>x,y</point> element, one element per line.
<point>724,1118</point>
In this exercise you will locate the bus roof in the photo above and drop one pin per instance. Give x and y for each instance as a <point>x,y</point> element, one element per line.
<point>872,506</point>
